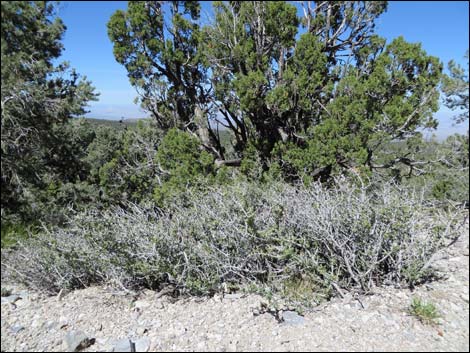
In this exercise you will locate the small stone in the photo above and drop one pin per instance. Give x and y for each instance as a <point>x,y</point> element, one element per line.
<point>16,328</point>
<point>141,330</point>
<point>77,340</point>
<point>217,298</point>
<point>24,294</point>
<point>142,344</point>
<point>11,299</point>
<point>22,303</point>
<point>292,318</point>
<point>124,345</point>
<point>256,312</point>
<point>50,325</point>
<point>37,323</point>
<point>141,304</point>
<point>63,318</point>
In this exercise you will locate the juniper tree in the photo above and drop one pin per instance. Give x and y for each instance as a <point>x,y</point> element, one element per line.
<point>163,62</point>
<point>317,92</point>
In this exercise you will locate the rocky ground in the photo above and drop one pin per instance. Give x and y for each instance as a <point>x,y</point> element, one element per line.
<point>98,319</point>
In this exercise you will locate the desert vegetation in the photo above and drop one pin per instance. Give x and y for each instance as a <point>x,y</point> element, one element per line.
<point>425,312</point>
<point>284,153</point>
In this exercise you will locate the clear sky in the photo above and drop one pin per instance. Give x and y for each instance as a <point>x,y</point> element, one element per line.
<point>441,26</point>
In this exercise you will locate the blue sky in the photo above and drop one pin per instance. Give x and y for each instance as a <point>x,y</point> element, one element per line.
<point>441,26</point>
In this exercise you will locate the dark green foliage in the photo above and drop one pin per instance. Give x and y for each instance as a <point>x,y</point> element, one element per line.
<point>62,184</point>
<point>249,40</point>
<point>11,233</point>
<point>122,162</point>
<point>38,98</point>
<point>166,63</point>
<point>370,107</point>
<point>294,98</point>
<point>182,163</point>
<point>441,189</point>
<point>251,165</point>
<point>455,88</point>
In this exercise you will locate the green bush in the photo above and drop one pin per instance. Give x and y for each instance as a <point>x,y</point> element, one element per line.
<point>11,234</point>
<point>49,191</point>
<point>182,163</point>
<point>426,312</point>
<point>441,189</point>
<point>122,163</point>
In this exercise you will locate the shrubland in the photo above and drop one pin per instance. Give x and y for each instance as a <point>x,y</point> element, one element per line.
<point>246,235</point>
<point>271,163</point>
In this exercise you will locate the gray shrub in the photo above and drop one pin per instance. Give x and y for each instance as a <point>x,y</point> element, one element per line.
<point>345,235</point>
